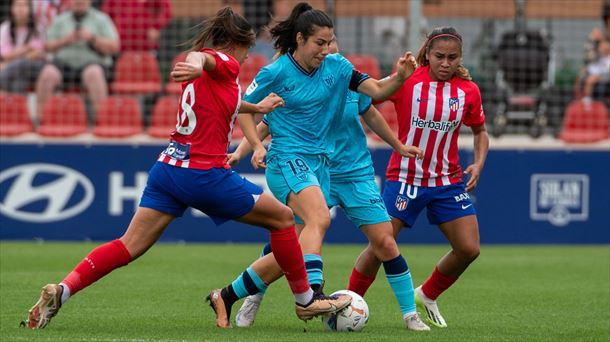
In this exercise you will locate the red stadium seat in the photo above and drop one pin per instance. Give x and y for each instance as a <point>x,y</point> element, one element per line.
<point>174,87</point>
<point>585,124</point>
<point>14,115</point>
<point>118,116</point>
<point>163,119</point>
<point>388,112</point>
<point>366,63</point>
<point>63,116</point>
<point>136,73</point>
<point>250,68</point>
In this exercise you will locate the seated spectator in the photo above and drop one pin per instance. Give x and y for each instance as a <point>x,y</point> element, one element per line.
<point>21,48</point>
<point>597,73</point>
<point>139,22</point>
<point>45,12</point>
<point>82,41</point>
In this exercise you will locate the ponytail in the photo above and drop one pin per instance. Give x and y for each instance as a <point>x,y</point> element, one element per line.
<point>224,29</point>
<point>302,19</point>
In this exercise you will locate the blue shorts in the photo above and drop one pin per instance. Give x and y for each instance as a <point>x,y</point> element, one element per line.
<point>360,200</point>
<point>220,193</point>
<point>289,172</point>
<point>444,203</point>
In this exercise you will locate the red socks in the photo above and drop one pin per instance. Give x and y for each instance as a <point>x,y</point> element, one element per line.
<point>437,284</point>
<point>359,282</point>
<point>288,254</point>
<point>101,261</point>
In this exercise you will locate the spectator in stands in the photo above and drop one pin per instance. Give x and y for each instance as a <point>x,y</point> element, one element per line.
<point>139,22</point>
<point>594,81</point>
<point>45,12</point>
<point>82,41</point>
<point>597,74</point>
<point>21,48</point>
<point>597,35</point>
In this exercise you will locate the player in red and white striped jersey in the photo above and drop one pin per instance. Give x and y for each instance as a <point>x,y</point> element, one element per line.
<point>432,105</point>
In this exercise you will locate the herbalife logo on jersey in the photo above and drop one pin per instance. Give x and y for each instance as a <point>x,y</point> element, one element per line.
<point>559,198</point>
<point>444,126</point>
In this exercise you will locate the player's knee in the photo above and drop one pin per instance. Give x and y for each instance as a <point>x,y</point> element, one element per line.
<point>285,218</point>
<point>386,248</point>
<point>469,253</point>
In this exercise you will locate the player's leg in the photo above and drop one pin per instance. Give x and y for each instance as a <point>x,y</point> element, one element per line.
<point>454,213</point>
<point>144,229</point>
<point>157,209</point>
<point>249,309</point>
<point>268,212</point>
<point>403,204</point>
<point>302,182</point>
<point>364,206</point>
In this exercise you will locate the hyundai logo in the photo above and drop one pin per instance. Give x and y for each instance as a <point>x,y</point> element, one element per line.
<point>66,194</point>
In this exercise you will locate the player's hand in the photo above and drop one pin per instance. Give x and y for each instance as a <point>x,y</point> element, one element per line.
<point>258,158</point>
<point>475,172</point>
<point>184,71</point>
<point>406,65</point>
<point>411,152</point>
<point>269,103</point>
<point>233,159</point>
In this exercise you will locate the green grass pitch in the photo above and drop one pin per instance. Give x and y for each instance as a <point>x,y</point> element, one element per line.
<point>511,293</point>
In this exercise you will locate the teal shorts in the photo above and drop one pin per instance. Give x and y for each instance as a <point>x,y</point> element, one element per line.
<point>360,200</point>
<point>290,172</point>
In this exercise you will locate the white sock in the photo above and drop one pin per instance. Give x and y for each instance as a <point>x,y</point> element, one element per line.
<point>304,298</point>
<point>65,295</point>
<point>408,314</point>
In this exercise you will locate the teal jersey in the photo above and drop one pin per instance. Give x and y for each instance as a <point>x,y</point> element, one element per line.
<point>312,102</point>
<point>351,159</point>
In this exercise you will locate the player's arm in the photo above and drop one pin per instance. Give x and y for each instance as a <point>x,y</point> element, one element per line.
<point>377,124</point>
<point>381,90</point>
<point>196,62</point>
<point>248,126</point>
<point>481,146</point>
<point>244,148</point>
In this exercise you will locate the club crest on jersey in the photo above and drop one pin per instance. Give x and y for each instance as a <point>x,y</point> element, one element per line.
<point>401,202</point>
<point>330,80</point>
<point>454,104</point>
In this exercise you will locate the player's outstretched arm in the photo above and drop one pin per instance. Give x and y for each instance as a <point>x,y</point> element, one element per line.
<point>377,124</point>
<point>381,90</point>
<point>244,147</point>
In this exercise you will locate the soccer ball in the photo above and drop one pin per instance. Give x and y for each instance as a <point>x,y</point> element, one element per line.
<point>352,318</point>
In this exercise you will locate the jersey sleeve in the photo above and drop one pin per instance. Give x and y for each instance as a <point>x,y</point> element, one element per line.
<point>474,115</point>
<point>226,67</point>
<point>364,103</point>
<point>261,86</point>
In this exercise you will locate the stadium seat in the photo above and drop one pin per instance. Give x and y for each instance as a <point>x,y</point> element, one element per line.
<point>250,68</point>
<point>136,73</point>
<point>172,87</point>
<point>389,114</point>
<point>365,63</point>
<point>163,119</point>
<point>118,116</point>
<point>585,124</point>
<point>63,116</point>
<point>14,115</point>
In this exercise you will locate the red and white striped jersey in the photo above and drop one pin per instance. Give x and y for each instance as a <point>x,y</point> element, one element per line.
<point>206,116</point>
<point>430,114</point>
